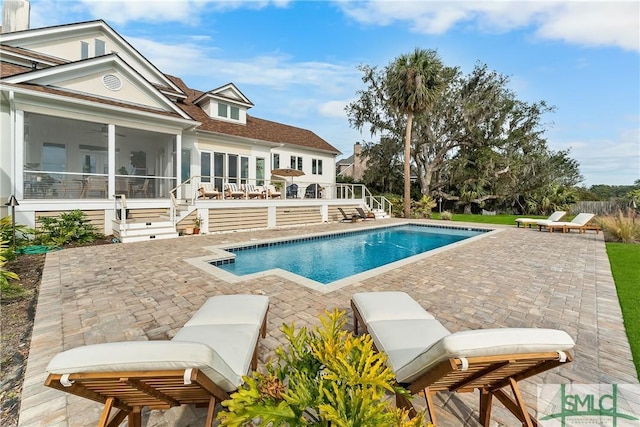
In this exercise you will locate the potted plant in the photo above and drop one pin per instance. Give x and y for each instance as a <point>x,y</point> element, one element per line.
<point>197,222</point>
<point>324,377</point>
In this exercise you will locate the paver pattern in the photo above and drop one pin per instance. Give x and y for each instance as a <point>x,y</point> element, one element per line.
<point>146,291</point>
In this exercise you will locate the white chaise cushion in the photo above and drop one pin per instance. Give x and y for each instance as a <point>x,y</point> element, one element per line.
<point>404,340</point>
<point>231,309</point>
<point>484,342</point>
<point>145,356</point>
<point>374,306</point>
<point>234,344</point>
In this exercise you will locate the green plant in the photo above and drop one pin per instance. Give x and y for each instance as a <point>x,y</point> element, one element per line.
<point>197,221</point>
<point>623,227</point>
<point>324,377</point>
<point>67,228</point>
<point>8,289</point>
<point>446,216</point>
<point>626,270</point>
<point>422,208</point>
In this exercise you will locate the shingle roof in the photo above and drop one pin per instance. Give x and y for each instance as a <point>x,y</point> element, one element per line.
<point>7,69</point>
<point>255,128</point>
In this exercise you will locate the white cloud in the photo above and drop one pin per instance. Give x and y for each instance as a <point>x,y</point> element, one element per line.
<point>605,161</point>
<point>183,11</point>
<point>591,23</point>
<point>333,109</point>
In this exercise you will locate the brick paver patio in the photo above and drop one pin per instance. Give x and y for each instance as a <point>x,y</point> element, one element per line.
<point>515,278</point>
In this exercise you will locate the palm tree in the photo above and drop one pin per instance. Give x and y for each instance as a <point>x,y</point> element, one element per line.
<point>412,84</point>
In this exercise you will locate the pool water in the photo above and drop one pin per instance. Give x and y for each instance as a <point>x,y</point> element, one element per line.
<point>326,259</point>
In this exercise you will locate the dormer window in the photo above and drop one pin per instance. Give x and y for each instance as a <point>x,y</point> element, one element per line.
<point>84,50</point>
<point>228,111</point>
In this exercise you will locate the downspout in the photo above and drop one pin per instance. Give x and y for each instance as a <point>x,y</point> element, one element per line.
<point>12,138</point>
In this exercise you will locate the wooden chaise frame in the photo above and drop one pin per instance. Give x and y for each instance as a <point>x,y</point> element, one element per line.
<point>488,374</point>
<point>129,392</point>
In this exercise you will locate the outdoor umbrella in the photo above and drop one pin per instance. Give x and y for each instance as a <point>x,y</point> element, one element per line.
<point>287,172</point>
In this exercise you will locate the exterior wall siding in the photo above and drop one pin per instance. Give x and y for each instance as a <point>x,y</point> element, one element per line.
<point>294,215</point>
<point>230,219</point>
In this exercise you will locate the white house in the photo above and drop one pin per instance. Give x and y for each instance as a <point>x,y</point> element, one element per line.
<point>84,117</point>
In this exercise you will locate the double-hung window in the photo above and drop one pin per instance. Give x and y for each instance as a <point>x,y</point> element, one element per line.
<point>316,166</point>
<point>296,163</point>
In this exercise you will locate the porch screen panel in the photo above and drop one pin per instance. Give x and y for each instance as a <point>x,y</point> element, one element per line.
<point>232,161</point>
<point>205,166</point>
<point>218,170</point>
<point>244,170</point>
<point>185,165</point>
<point>260,171</point>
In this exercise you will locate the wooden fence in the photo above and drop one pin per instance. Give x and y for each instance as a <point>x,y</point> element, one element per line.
<point>599,208</point>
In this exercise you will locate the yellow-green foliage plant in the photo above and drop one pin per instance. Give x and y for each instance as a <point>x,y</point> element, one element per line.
<point>624,228</point>
<point>423,207</point>
<point>324,377</point>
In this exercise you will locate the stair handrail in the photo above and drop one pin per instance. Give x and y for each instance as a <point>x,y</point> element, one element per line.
<point>377,202</point>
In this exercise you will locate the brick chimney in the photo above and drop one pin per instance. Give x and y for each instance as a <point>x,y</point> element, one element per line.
<point>15,15</point>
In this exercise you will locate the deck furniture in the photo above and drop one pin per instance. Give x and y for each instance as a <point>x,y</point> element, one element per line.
<point>272,192</point>
<point>556,216</point>
<point>364,215</point>
<point>313,191</point>
<point>424,355</point>
<point>251,191</point>
<point>202,364</point>
<point>231,191</point>
<point>292,191</point>
<point>347,218</point>
<point>580,223</point>
<point>209,191</point>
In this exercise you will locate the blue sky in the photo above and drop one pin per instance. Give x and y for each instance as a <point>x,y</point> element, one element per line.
<point>296,60</point>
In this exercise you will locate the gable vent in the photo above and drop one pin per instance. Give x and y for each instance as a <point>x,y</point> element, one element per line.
<point>112,82</point>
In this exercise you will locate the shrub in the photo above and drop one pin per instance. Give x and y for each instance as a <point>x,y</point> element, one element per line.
<point>8,289</point>
<point>621,226</point>
<point>323,377</point>
<point>68,227</point>
<point>422,208</point>
<point>446,215</point>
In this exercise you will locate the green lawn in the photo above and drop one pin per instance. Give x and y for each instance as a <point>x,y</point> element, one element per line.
<point>624,266</point>
<point>488,219</point>
<point>626,273</point>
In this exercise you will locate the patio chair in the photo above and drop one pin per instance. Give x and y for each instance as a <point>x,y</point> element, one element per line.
<point>251,191</point>
<point>231,191</point>
<point>556,216</point>
<point>203,363</point>
<point>424,355</point>
<point>580,223</point>
<point>313,191</point>
<point>347,218</point>
<point>272,192</point>
<point>292,191</point>
<point>141,189</point>
<point>363,215</point>
<point>209,191</point>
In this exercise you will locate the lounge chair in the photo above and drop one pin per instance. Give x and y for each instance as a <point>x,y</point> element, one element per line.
<point>203,363</point>
<point>580,223</point>
<point>347,218</point>
<point>363,215</point>
<point>209,191</point>
<point>272,193</point>
<point>231,191</point>
<point>556,216</point>
<point>424,355</point>
<point>313,191</point>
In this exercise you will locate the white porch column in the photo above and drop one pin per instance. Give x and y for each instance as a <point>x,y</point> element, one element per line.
<point>111,147</point>
<point>178,166</point>
<point>18,154</point>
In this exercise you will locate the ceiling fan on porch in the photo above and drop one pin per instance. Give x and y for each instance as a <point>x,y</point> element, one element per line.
<point>104,130</point>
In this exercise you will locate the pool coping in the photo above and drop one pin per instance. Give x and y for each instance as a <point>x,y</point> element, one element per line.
<point>221,252</point>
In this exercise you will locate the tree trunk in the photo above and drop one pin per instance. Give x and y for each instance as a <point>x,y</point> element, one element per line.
<point>407,166</point>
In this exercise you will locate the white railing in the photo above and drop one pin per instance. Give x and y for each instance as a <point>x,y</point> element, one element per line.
<point>120,207</point>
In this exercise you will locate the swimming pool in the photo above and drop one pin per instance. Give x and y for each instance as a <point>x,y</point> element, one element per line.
<point>328,258</point>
